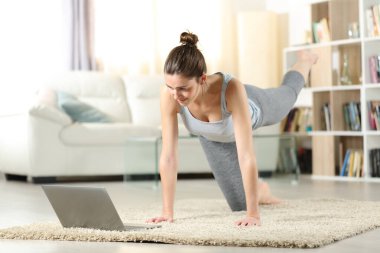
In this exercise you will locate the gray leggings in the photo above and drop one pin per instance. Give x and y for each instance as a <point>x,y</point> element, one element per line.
<point>275,104</point>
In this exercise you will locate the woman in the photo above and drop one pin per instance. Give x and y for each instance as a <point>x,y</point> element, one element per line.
<point>222,112</point>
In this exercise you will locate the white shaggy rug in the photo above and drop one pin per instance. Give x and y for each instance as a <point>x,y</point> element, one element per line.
<point>304,223</point>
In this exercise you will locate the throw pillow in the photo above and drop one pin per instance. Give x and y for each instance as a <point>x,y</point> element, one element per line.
<point>79,111</point>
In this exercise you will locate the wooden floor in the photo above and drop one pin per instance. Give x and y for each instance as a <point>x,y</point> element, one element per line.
<point>24,203</point>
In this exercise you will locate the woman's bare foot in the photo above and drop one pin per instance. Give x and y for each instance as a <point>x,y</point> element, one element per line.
<point>265,195</point>
<point>307,56</point>
<point>305,60</point>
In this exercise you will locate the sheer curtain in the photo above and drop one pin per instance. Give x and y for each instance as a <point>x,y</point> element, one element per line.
<point>124,36</point>
<point>78,20</point>
<point>134,37</point>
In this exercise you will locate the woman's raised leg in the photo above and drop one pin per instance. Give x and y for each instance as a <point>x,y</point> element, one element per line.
<point>275,103</point>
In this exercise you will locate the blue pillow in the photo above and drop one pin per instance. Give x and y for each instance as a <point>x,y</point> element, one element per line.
<point>79,111</point>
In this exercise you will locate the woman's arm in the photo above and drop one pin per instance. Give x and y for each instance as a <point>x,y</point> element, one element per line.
<point>168,158</point>
<point>237,104</point>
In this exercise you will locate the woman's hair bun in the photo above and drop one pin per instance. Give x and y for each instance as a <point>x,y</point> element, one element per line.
<point>188,38</point>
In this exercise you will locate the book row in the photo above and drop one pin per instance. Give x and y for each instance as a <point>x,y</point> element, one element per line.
<point>352,163</point>
<point>374,160</point>
<point>351,113</point>
<point>321,31</point>
<point>352,116</point>
<point>299,120</point>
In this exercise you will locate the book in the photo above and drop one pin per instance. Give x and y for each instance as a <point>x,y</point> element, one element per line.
<point>340,154</point>
<point>354,116</point>
<point>378,17</point>
<point>374,114</point>
<point>326,110</point>
<point>351,164</point>
<point>289,119</point>
<point>370,23</point>
<point>358,164</point>
<point>378,67</point>
<point>374,68</point>
<point>346,114</point>
<point>361,164</point>
<point>321,31</point>
<point>375,11</point>
<point>371,116</point>
<point>377,117</point>
<point>374,160</point>
<point>377,165</point>
<point>293,126</point>
<point>315,32</point>
<point>343,171</point>
<point>325,31</point>
<point>357,113</point>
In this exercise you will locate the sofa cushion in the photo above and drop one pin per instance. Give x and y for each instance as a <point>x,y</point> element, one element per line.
<point>79,111</point>
<point>105,92</point>
<point>103,134</point>
<point>143,95</point>
<point>51,113</point>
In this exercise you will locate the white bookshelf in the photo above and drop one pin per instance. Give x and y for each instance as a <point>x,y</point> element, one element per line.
<point>326,44</point>
<point>325,86</point>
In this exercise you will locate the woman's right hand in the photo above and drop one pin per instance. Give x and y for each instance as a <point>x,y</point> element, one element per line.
<point>159,219</point>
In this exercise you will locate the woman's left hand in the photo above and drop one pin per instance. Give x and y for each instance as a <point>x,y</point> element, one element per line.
<point>248,221</point>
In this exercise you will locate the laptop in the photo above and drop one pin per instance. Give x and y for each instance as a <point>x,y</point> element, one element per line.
<point>87,207</point>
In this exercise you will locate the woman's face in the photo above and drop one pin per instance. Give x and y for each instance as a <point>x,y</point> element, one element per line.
<point>183,89</point>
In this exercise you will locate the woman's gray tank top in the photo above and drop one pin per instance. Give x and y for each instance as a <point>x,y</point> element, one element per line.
<point>222,130</point>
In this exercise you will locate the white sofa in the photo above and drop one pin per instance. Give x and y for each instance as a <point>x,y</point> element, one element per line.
<point>44,142</point>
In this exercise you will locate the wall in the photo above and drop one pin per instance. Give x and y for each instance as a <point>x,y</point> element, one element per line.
<point>261,37</point>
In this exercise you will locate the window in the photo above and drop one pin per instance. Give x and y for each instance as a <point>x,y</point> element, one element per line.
<point>136,36</point>
<point>30,48</point>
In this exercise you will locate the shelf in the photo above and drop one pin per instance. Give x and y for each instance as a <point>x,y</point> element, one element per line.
<point>371,39</point>
<point>336,133</point>
<point>336,88</point>
<point>372,85</point>
<point>324,44</point>
<point>331,44</point>
<point>373,133</point>
<point>341,85</point>
<point>346,179</point>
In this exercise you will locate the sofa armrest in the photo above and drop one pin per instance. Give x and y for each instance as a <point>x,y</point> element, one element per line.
<point>51,113</point>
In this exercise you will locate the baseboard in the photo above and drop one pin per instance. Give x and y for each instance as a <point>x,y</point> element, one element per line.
<point>14,177</point>
<point>134,177</point>
<point>147,177</point>
<point>265,174</point>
